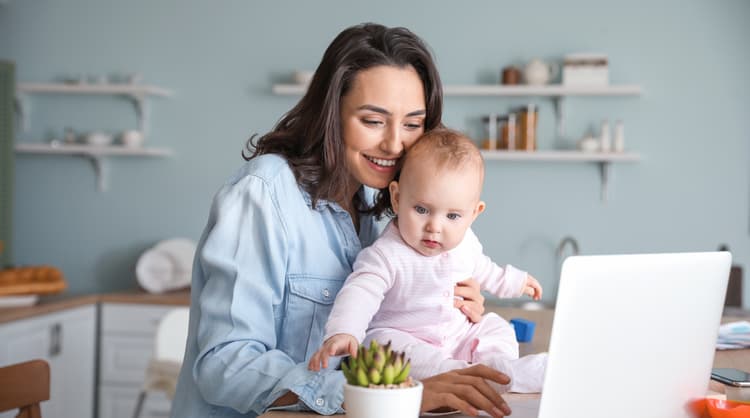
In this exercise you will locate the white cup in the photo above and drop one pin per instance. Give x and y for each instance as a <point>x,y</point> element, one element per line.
<point>131,139</point>
<point>98,139</point>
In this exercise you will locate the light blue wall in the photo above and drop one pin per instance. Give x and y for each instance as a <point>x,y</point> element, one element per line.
<point>690,191</point>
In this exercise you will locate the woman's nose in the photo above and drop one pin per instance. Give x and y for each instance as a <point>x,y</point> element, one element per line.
<point>392,142</point>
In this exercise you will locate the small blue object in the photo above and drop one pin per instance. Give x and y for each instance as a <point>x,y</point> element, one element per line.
<point>524,329</point>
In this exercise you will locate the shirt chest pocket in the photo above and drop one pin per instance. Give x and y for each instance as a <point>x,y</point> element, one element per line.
<point>309,303</point>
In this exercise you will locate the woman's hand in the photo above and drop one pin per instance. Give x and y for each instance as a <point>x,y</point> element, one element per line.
<point>472,304</point>
<point>467,391</point>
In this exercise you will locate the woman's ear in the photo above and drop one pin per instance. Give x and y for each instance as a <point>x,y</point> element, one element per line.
<point>393,189</point>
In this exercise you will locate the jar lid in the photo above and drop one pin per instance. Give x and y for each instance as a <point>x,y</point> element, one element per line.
<point>527,108</point>
<point>498,118</point>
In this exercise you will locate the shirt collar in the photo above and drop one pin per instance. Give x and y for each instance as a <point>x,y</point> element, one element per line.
<point>366,194</point>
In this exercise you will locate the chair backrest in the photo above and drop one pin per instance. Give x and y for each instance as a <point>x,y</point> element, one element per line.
<point>171,335</point>
<point>24,386</point>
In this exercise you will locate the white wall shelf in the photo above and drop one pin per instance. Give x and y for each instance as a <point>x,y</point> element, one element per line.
<point>550,90</point>
<point>603,159</point>
<point>138,93</point>
<point>556,92</point>
<point>94,153</point>
<point>561,156</point>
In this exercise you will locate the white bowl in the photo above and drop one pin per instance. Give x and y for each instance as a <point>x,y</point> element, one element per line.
<point>131,139</point>
<point>98,139</point>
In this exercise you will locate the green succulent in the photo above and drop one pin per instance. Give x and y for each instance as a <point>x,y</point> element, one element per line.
<point>376,365</point>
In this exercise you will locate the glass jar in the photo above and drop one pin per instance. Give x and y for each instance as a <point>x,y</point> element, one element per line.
<point>507,127</point>
<point>491,129</point>
<point>527,122</point>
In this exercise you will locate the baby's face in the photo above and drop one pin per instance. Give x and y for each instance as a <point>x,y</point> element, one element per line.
<point>434,206</point>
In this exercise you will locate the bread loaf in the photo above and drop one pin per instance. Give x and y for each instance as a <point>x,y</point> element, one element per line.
<point>31,280</point>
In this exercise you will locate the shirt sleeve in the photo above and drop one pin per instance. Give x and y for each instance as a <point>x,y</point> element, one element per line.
<point>361,295</point>
<point>243,260</point>
<point>502,282</point>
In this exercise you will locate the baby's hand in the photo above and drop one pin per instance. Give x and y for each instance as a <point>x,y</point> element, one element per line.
<point>532,288</point>
<point>337,345</point>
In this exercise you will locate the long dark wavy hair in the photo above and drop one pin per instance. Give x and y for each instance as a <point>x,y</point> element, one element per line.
<point>309,135</point>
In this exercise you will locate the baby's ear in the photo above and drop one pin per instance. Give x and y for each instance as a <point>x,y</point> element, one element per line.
<point>393,189</point>
<point>479,209</point>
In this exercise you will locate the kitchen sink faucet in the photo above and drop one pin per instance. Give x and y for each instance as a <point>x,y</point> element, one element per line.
<point>567,241</point>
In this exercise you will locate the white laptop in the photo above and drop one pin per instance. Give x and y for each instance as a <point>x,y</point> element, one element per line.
<point>633,336</point>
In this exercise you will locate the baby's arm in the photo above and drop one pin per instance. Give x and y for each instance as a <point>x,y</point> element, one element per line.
<point>337,345</point>
<point>501,281</point>
<point>354,307</point>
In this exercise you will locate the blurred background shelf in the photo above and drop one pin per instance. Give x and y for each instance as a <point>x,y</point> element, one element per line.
<point>87,88</point>
<point>92,150</point>
<point>562,156</point>
<point>95,154</point>
<point>549,90</point>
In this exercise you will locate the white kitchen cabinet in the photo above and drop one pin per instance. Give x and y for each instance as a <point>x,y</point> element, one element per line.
<point>67,340</point>
<point>127,333</point>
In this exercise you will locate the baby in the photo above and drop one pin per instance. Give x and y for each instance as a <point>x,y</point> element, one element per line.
<point>401,289</point>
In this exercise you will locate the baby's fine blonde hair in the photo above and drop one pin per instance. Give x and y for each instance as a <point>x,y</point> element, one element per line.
<point>447,149</point>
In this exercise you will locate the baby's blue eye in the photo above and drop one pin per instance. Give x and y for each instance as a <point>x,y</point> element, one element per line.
<point>420,210</point>
<point>453,216</point>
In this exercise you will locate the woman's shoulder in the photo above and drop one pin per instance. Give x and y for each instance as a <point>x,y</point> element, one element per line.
<point>269,168</point>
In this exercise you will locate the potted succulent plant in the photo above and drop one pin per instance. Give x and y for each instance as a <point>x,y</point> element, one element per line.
<point>378,384</point>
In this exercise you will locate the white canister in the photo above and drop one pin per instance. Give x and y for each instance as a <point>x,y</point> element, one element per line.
<point>605,140</point>
<point>619,140</point>
<point>132,139</point>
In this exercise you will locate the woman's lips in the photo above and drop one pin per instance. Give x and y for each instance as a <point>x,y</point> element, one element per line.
<point>382,165</point>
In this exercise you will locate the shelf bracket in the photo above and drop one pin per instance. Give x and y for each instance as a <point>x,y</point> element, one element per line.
<point>141,111</point>
<point>23,111</point>
<point>100,169</point>
<point>604,171</point>
<point>558,102</point>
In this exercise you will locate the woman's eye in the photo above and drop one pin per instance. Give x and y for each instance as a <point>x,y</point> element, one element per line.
<point>373,122</point>
<point>420,210</point>
<point>413,126</point>
<point>453,216</point>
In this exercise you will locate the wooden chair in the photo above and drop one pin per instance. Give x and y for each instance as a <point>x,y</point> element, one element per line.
<point>24,387</point>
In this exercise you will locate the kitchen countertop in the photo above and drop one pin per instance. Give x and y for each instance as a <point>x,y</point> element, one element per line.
<point>50,304</point>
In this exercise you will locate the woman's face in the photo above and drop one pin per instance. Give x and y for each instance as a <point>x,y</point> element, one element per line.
<point>382,115</point>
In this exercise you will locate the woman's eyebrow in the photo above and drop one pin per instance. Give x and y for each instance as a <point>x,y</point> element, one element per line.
<point>378,109</point>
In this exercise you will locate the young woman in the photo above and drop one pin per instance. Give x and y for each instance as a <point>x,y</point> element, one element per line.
<point>283,233</point>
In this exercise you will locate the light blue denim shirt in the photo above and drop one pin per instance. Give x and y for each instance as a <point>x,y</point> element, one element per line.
<point>266,272</point>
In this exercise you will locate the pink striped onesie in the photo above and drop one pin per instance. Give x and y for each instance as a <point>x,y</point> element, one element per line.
<point>397,294</point>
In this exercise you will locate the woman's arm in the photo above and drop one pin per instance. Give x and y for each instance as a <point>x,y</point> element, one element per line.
<point>242,262</point>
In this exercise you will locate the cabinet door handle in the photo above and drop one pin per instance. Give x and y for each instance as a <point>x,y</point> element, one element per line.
<point>55,341</point>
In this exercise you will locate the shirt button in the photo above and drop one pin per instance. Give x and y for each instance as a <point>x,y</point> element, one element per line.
<point>320,402</point>
<point>326,294</point>
<point>446,294</point>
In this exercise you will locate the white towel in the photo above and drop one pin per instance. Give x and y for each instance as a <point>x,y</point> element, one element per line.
<point>166,266</point>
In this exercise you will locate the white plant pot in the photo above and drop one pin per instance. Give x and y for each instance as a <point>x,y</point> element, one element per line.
<point>361,402</point>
